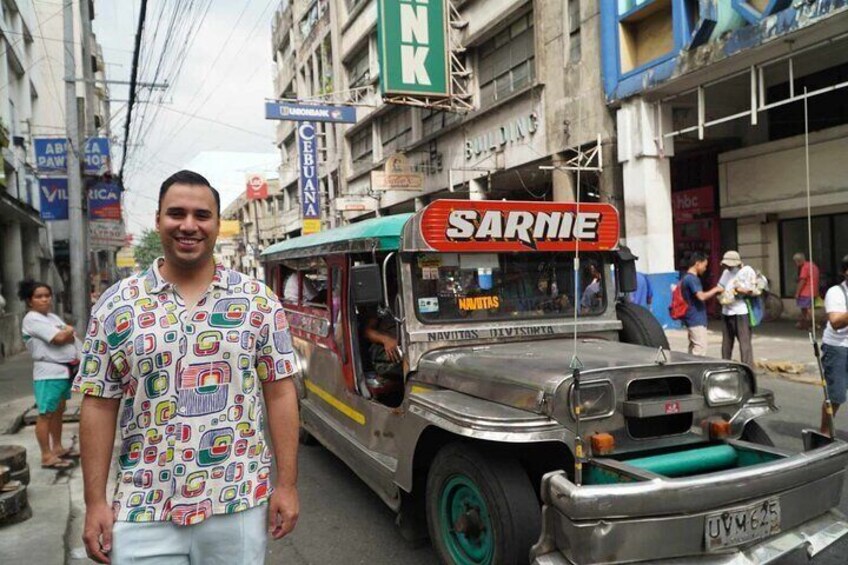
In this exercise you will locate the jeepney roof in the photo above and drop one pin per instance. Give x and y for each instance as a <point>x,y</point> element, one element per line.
<point>380,233</point>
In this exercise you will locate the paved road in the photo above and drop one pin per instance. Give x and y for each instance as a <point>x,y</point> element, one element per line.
<point>343,521</point>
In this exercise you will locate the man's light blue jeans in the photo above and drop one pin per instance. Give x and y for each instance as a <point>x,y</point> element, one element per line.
<point>230,539</point>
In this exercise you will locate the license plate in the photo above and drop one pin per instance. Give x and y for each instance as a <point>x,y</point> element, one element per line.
<point>739,526</point>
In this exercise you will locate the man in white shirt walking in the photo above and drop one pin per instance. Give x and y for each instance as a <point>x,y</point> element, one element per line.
<point>835,344</point>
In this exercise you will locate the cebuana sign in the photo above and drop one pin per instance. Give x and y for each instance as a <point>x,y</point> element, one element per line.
<point>414,55</point>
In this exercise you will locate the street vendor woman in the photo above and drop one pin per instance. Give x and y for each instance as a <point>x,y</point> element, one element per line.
<point>185,352</point>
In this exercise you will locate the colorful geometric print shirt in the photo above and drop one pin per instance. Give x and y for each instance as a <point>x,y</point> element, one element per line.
<point>190,381</point>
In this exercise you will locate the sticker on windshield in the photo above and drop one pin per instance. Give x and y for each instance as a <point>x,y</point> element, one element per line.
<point>429,305</point>
<point>479,303</point>
<point>430,273</point>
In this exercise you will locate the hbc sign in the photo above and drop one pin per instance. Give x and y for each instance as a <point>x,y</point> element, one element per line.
<point>257,186</point>
<point>414,54</point>
<point>51,155</point>
<point>307,164</point>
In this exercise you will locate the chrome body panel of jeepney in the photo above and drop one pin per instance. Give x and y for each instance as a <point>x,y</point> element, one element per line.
<point>537,380</point>
<point>664,518</point>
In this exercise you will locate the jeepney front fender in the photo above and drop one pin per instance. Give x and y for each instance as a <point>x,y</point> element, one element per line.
<point>466,416</point>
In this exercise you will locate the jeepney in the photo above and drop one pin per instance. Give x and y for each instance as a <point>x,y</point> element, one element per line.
<point>539,417</point>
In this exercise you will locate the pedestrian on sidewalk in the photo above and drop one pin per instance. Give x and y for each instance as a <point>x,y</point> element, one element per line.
<point>55,355</point>
<point>694,294</point>
<point>737,281</point>
<point>835,344</point>
<point>806,289</point>
<point>186,352</point>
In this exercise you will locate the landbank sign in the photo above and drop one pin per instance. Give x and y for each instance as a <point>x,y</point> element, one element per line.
<point>414,55</point>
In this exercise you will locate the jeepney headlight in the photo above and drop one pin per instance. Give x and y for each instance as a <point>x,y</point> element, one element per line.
<point>724,387</point>
<point>597,400</point>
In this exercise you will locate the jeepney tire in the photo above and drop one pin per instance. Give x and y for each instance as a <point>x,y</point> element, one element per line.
<point>755,433</point>
<point>511,502</point>
<point>639,326</point>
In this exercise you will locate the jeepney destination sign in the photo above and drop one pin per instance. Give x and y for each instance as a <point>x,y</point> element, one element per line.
<point>468,226</point>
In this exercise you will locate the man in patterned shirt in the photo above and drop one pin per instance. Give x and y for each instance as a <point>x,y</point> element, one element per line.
<point>185,354</point>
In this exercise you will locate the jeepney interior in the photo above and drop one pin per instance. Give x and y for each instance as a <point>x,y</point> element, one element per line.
<point>480,287</point>
<point>385,390</point>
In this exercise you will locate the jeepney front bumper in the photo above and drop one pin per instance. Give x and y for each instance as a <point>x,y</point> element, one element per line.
<point>664,520</point>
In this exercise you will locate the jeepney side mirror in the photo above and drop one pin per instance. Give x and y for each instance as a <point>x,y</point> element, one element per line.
<point>625,269</point>
<point>366,284</point>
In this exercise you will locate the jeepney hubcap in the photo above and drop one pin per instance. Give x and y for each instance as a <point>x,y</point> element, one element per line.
<point>464,522</point>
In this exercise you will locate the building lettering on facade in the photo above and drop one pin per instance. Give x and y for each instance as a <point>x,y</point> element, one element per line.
<point>310,197</point>
<point>511,132</point>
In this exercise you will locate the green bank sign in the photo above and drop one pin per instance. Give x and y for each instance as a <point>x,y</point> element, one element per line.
<point>414,56</point>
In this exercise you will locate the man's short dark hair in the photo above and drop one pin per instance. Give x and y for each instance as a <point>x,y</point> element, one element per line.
<point>190,178</point>
<point>845,264</point>
<point>697,257</point>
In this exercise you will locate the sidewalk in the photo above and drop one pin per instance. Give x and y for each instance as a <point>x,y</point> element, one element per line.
<point>780,349</point>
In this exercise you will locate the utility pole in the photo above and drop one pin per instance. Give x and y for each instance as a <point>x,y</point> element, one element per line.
<point>79,285</point>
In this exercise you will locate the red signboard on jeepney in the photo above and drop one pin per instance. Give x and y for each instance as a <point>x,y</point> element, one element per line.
<point>503,226</point>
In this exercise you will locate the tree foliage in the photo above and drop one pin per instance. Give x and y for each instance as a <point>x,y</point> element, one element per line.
<point>148,249</point>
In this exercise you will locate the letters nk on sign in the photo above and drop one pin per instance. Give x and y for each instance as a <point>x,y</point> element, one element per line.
<point>501,226</point>
<point>413,47</point>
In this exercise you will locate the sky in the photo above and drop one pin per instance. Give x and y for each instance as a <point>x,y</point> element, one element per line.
<point>218,63</point>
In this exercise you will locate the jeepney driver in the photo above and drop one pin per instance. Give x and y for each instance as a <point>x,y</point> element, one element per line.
<point>184,351</point>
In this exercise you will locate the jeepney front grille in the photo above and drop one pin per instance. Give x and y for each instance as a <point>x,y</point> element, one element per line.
<point>653,389</point>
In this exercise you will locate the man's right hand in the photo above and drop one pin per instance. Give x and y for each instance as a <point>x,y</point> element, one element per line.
<point>392,351</point>
<point>97,534</point>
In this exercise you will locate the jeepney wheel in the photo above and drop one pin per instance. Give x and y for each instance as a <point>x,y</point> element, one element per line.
<point>481,509</point>
<point>755,433</point>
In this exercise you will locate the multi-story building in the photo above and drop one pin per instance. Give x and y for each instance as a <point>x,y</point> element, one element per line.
<point>536,91</point>
<point>710,102</point>
<point>26,249</point>
<point>686,115</point>
<point>262,223</point>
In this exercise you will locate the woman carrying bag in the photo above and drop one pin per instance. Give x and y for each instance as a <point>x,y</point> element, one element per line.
<point>52,345</point>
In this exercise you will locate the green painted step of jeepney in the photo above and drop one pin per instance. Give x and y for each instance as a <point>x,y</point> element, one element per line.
<point>686,463</point>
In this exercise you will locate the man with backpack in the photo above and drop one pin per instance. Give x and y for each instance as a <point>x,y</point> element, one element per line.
<point>693,294</point>
<point>835,344</point>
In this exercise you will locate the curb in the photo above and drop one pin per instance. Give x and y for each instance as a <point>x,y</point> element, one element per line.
<point>12,415</point>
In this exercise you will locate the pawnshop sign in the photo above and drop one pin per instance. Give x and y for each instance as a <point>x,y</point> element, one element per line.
<point>413,45</point>
<point>495,227</point>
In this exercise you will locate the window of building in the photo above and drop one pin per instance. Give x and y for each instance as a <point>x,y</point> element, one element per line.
<point>396,130</point>
<point>436,120</point>
<point>507,61</point>
<point>825,110</point>
<point>359,68</point>
<point>310,19</point>
<point>830,244</point>
<point>362,146</point>
<point>574,47</point>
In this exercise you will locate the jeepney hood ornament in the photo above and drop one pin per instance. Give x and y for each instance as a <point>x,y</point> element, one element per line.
<point>516,374</point>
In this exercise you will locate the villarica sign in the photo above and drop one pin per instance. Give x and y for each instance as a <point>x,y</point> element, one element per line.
<point>413,44</point>
<point>502,226</point>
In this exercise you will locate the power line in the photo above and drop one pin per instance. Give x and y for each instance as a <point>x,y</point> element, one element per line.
<point>133,79</point>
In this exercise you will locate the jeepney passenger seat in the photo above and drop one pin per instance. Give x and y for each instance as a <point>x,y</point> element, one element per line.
<point>386,390</point>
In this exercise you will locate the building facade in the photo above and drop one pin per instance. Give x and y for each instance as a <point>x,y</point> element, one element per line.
<point>710,106</point>
<point>537,93</point>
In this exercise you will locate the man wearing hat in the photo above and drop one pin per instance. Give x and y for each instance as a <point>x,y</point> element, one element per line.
<point>835,343</point>
<point>737,281</point>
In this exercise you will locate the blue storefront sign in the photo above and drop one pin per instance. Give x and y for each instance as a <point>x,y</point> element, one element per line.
<point>51,155</point>
<point>104,199</point>
<point>309,112</point>
<point>307,164</point>
<point>54,198</point>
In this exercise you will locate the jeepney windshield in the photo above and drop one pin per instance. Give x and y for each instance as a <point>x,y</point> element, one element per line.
<point>466,287</point>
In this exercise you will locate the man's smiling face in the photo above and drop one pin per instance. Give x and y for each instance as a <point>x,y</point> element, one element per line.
<point>188,225</point>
